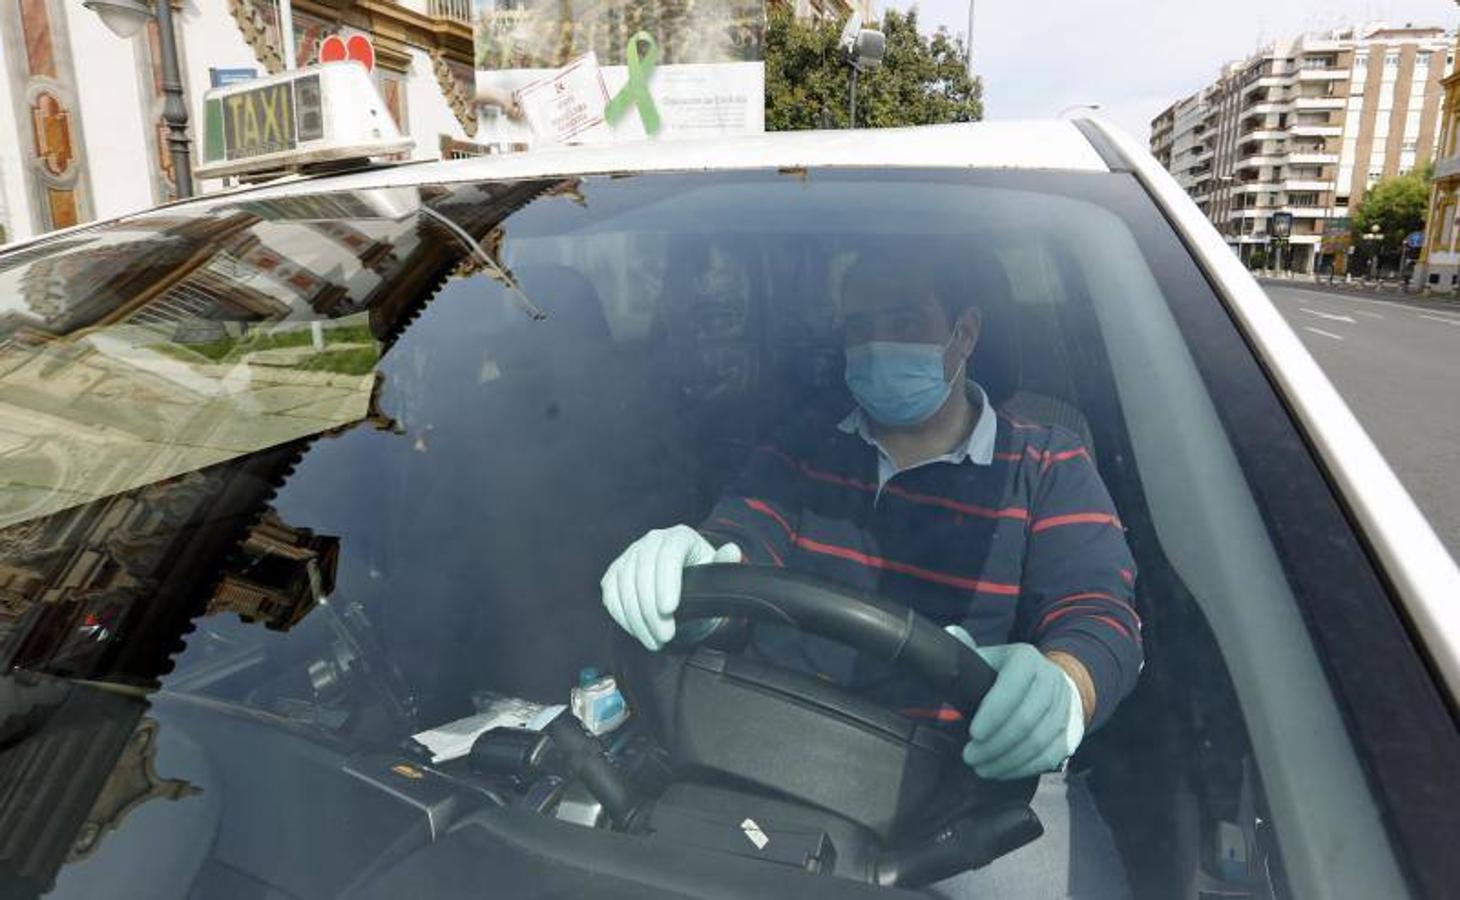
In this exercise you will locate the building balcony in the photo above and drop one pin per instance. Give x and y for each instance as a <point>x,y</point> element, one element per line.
<point>1315,130</point>
<point>1305,184</point>
<point>1334,74</point>
<point>1257,161</point>
<point>1448,166</point>
<point>1311,158</point>
<point>1319,102</point>
<point>1268,81</point>
<point>449,10</point>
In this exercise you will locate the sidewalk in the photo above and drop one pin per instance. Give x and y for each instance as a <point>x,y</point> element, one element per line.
<point>1388,291</point>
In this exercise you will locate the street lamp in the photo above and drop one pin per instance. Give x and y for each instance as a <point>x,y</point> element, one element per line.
<point>863,48</point>
<point>124,18</point>
<point>1093,107</point>
<point>1369,238</point>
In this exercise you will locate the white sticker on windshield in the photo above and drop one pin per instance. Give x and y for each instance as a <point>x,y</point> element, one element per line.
<point>753,832</point>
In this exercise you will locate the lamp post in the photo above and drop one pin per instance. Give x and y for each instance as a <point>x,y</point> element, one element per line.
<point>863,48</point>
<point>1370,237</point>
<point>125,18</point>
<point>1093,107</point>
<point>968,45</point>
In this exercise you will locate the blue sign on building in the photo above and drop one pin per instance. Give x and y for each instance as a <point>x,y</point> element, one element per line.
<point>224,77</point>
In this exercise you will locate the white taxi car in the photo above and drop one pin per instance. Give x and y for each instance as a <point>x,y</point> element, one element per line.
<point>307,488</point>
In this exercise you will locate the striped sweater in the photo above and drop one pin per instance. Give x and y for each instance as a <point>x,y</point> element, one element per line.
<point>1026,548</point>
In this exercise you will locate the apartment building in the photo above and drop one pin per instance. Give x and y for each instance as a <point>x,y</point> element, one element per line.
<point>1295,134</point>
<point>1439,262</point>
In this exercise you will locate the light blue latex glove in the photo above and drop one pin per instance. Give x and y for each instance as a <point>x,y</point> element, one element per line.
<point>641,587</point>
<point>1030,721</point>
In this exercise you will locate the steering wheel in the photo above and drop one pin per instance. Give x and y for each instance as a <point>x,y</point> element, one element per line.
<point>734,722</point>
<point>889,632</point>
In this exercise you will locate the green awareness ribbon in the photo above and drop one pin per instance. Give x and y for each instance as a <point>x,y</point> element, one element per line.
<point>636,92</point>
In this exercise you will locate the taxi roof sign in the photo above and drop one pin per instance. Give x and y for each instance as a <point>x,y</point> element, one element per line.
<point>319,114</point>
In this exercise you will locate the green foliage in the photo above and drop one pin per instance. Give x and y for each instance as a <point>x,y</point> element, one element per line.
<point>1397,205</point>
<point>922,80</point>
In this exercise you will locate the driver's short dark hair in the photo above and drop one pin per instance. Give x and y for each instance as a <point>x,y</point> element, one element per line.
<point>923,273</point>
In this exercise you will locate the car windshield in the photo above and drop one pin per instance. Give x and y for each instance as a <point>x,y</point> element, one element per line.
<point>318,507</point>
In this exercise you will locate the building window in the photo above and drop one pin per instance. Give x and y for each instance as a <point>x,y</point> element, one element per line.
<point>1391,59</point>
<point>1361,62</point>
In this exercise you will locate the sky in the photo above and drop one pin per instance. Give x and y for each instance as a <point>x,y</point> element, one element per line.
<point>1134,57</point>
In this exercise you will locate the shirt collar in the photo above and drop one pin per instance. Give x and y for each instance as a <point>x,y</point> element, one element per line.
<point>980,447</point>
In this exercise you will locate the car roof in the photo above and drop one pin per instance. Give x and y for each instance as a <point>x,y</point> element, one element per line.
<point>981,145</point>
<point>1048,145</point>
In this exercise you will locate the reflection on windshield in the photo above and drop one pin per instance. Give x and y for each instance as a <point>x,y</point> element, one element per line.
<point>257,337</point>
<point>132,783</point>
<point>158,380</point>
<point>281,573</point>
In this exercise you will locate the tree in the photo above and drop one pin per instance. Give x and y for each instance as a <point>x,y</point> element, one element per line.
<point>922,80</point>
<point>1398,206</point>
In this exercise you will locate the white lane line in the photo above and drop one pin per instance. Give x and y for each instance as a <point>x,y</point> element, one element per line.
<point>1324,315</point>
<point>1322,332</point>
<point>1366,314</point>
<point>1439,319</point>
<point>1343,297</point>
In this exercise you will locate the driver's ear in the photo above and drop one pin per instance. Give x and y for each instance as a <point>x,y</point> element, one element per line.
<point>967,325</point>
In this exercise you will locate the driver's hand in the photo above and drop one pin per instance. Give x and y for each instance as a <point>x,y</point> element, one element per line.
<point>1030,721</point>
<point>641,587</point>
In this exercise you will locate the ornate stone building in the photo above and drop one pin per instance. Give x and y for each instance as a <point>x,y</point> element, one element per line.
<point>84,137</point>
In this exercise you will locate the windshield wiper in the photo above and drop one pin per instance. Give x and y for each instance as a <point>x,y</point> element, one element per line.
<point>482,256</point>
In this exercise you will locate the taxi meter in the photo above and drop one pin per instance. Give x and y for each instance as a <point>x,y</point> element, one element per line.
<point>325,113</point>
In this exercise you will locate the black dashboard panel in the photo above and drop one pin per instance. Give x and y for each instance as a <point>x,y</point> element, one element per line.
<point>508,853</point>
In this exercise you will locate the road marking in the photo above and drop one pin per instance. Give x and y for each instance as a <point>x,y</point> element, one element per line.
<point>1345,297</point>
<point>1366,314</point>
<point>1322,332</point>
<point>1438,319</point>
<point>1324,315</point>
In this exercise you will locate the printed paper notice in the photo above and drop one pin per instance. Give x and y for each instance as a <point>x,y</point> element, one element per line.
<point>567,106</point>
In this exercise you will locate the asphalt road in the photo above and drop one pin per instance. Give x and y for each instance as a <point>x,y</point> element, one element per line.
<point>1397,364</point>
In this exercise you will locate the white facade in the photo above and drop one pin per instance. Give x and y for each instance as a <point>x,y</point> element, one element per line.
<point>113,126</point>
<point>1305,127</point>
